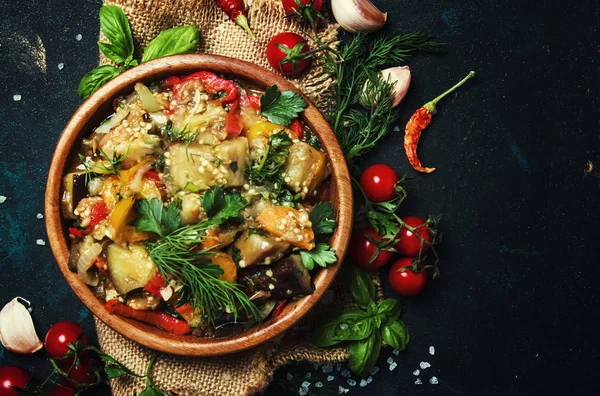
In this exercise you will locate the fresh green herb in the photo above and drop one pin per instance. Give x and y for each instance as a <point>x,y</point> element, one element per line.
<point>218,161</point>
<point>111,167</point>
<point>178,40</point>
<point>173,135</point>
<point>281,107</point>
<point>322,255</point>
<point>236,255</point>
<point>360,286</point>
<point>151,388</point>
<point>116,28</point>
<point>220,207</point>
<point>160,163</point>
<point>191,187</point>
<point>382,215</point>
<point>362,355</point>
<point>313,140</point>
<point>280,139</point>
<point>322,218</point>
<point>359,130</point>
<point>396,335</point>
<point>155,218</point>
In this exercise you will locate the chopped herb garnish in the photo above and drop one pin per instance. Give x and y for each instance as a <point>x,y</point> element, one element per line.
<point>322,255</point>
<point>322,218</point>
<point>281,107</point>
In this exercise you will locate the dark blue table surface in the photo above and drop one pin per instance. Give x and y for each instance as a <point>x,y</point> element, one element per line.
<point>516,151</point>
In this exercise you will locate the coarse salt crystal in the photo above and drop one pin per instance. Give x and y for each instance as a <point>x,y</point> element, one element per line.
<point>374,370</point>
<point>2,199</point>
<point>345,373</point>
<point>308,375</point>
<point>338,366</point>
<point>369,379</point>
<point>341,389</point>
<point>396,128</point>
<point>433,381</point>
<point>330,378</point>
<point>393,366</point>
<point>327,368</point>
<point>319,384</point>
<point>418,381</point>
<point>61,66</point>
<point>40,242</point>
<point>432,350</point>
<point>316,366</point>
<point>303,391</point>
<point>363,383</point>
<point>305,384</point>
<point>390,360</point>
<point>16,97</point>
<point>416,372</point>
<point>39,216</point>
<point>351,382</point>
<point>346,390</point>
<point>424,365</point>
<point>396,352</point>
<point>78,37</point>
<point>289,376</point>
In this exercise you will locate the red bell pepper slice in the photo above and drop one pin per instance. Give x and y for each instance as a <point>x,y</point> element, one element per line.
<point>251,101</point>
<point>171,82</point>
<point>156,318</point>
<point>152,175</point>
<point>296,127</point>
<point>76,232</point>
<point>279,308</point>
<point>155,284</point>
<point>215,84</point>
<point>185,308</point>
<point>99,213</point>
<point>233,123</point>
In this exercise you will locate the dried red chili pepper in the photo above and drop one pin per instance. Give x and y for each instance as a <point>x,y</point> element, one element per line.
<point>160,319</point>
<point>233,122</point>
<point>236,10</point>
<point>214,85</point>
<point>418,122</point>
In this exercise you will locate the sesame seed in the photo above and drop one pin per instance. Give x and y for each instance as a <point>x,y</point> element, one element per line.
<point>289,293</point>
<point>269,273</point>
<point>271,286</point>
<point>125,123</point>
<point>246,187</point>
<point>167,154</point>
<point>242,263</point>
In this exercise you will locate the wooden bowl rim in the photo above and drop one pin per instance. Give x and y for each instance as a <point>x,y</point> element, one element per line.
<point>144,334</point>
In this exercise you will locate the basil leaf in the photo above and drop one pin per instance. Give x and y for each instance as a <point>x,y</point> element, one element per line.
<point>95,78</point>
<point>396,335</point>
<point>352,325</point>
<point>112,52</point>
<point>178,40</point>
<point>115,26</point>
<point>363,354</point>
<point>372,311</point>
<point>360,285</point>
<point>390,308</point>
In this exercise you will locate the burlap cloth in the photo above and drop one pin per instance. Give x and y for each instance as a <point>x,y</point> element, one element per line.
<point>247,372</point>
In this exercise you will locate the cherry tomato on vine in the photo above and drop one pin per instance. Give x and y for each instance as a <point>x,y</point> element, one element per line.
<point>84,372</point>
<point>379,182</point>
<point>362,249</point>
<point>409,244</point>
<point>287,53</point>
<point>291,7</point>
<point>60,390</point>
<point>60,335</point>
<point>406,282</point>
<point>13,378</point>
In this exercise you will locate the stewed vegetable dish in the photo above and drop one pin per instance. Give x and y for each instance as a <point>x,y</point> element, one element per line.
<point>200,205</point>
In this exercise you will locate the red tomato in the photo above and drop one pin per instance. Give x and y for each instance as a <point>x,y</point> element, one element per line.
<point>286,53</point>
<point>408,243</point>
<point>12,377</point>
<point>60,390</point>
<point>379,183</point>
<point>291,7</point>
<point>60,335</point>
<point>406,282</point>
<point>85,371</point>
<point>362,249</point>
<point>296,127</point>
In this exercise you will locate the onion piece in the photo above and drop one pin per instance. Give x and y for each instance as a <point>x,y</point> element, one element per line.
<point>137,182</point>
<point>17,332</point>
<point>112,122</point>
<point>85,263</point>
<point>147,98</point>
<point>159,119</point>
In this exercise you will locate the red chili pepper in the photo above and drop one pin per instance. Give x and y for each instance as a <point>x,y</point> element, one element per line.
<point>296,127</point>
<point>155,284</point>
<point>99,213</point>
<point>160,319</point>
<point>152,175</point>
<point>279,308</point>
<point>252,101</point>
<point>233,123</point>
<point>76,232</point>
<point>418,122</point>
<point>236,10</point>
<point>215,84</point>
<point>185,308</point>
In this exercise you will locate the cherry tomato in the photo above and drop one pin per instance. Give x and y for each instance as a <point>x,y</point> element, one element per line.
<point>60,335</point>
<point>60,390</point>
<point>84,372</point>
<point>407,282</point>
<point>286,53</point>
<point>362,249</point>
<point>12,377</point>
<point>408,243</point>
<point>291,7</point>
<point>379,182</point>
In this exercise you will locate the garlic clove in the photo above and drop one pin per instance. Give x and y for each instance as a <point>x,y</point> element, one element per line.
<point>400,76</point>
<point>358,15</point>
<point>17,332</point>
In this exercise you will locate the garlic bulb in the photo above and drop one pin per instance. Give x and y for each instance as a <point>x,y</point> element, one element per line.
<point>16,328</point>
<point>400,76</point>
<point>358,15</point>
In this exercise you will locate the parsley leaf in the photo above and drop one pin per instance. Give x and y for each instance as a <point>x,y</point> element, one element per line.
<point>155,218</point>
<point>281,107</point>
<point>322,218</point>
<point>321,254</point>
<point>220,207</point>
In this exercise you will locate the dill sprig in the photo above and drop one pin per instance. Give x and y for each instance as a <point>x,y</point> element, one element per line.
<point>111,166</point>
<point>358,130</point>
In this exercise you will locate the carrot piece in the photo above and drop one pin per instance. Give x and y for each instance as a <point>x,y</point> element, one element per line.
<point>226,263</point>
<point>289,224</point>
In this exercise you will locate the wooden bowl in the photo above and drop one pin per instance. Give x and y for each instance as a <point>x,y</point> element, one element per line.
<point>97,107</point>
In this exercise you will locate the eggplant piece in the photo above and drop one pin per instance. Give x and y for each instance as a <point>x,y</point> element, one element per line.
<point>74,190</point>
<point>226,325</point>
<point>257,246</point>
<point>305,168</point>
<point>129,267</point>
<point>285,279</point>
